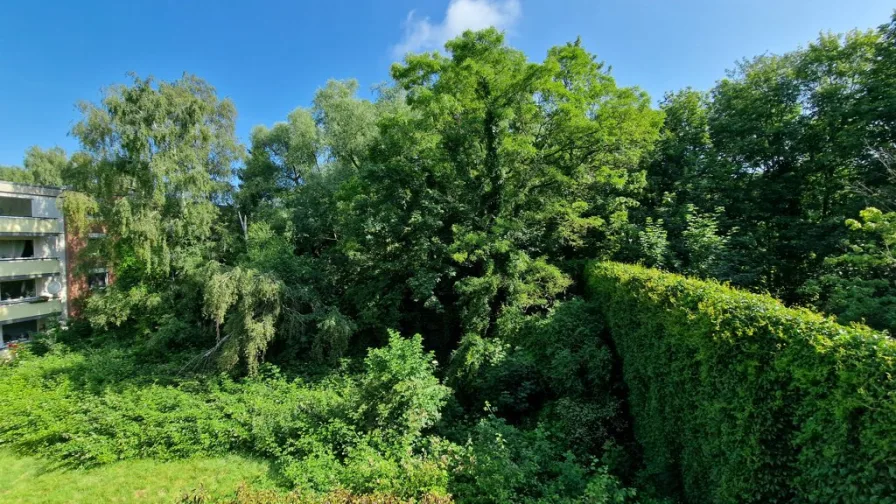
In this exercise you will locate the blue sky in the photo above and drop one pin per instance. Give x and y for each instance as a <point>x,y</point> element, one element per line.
<point>270,56</point>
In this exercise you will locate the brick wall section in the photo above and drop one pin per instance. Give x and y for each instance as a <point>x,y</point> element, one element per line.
<point>77,284</point>
<point>78,287</point>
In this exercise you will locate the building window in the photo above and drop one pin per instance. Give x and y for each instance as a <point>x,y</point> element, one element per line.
<point>97,280</point>
<point>18,331</point>
<point>17,289</point>
<point>16,249</point>
<point>15,207</point>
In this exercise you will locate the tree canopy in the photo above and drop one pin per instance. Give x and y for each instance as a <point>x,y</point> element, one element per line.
<point>469,190</point>
<point>270,283</point>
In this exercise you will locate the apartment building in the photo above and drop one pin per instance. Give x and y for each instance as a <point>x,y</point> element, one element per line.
<point>33,265</point>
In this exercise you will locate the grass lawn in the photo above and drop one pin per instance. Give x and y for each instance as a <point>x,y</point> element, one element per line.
<point>26,480</point>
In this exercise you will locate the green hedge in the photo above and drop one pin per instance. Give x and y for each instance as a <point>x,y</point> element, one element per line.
<point>737,398</point>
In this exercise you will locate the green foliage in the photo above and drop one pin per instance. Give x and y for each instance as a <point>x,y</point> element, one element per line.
<point>47,167</point>
<point>686,240</point>
<point>680,162</point>
<point>703,245</point>
<point>44,413</point>
<point>157,159</point>
<point>246,303</point>
<point>554,371</point>
<point>461,204</point>
<point>78,208</point>
<point>282,158</point>
<point>360,432</point>
<point>502,464</point>
<point>786,145</point>
<point>740,399</point>
<point>292,225</point>
<point>860,285</point>
<point>398,393</point>
<point>41,167</point>
<point>506,167</point>
<point>310,322</point>
<point>654,242</point>
<point>154,175</point>
<point>567,344</point>
<point>15,174</point>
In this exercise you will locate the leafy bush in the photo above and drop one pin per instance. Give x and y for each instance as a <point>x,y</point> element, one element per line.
<point>503,464</point>
<point>49,410</point>
<point>358,432</point>
<point>500,463</point>
<point>554,368</point>
<point>398,392</point>
<point>740,399</point>
<point>361,434</point>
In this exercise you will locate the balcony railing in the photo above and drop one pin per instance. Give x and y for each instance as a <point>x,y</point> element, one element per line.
<point>29,226</point>
<point>29,267</point>
<point>29,310</point>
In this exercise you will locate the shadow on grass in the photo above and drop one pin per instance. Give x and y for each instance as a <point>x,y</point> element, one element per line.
<point>32,480</point>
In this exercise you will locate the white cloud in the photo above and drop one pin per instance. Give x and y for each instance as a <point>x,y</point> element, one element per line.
<point>461,15</point>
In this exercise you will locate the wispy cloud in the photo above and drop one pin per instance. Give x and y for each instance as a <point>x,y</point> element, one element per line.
<point>461,15</point>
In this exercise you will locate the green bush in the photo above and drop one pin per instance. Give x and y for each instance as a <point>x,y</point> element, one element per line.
<point>398,393</point>
<point>553,369</point>
<point>504,465</point>
<point>737,398</point>
<point>361,432</point>
<point>55,406</point>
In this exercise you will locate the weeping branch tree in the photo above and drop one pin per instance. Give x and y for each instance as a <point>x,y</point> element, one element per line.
<point>155,175</point>
<point>244,305</point>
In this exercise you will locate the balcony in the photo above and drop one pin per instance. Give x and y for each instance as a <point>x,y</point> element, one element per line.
<point>29,226</point>
<point>26,310</point>
<point>28,268</point>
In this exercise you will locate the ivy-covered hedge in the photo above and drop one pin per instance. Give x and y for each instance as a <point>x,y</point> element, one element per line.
<point>737,398</point>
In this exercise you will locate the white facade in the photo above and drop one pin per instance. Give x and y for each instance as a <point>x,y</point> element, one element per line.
<point>32,259</point>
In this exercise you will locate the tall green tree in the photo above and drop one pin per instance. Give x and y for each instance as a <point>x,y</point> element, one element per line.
<point>783,145</point>
<point>157,161</point>
<point>43,167</point>
<point>289,197</point>
<point>497,172</point>
<point>681,163</point>
<point>15,174</point>
<point>47,166</point>
<point>155,175</point>
<point>859,285</point>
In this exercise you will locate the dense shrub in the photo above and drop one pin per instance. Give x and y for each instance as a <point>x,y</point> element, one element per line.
<point>48,409</point>
<point>398,392</point>
<point>553,369</point>
<point>362,433</point>
<point>500,463</point>
<point>321,435</point>
<point>506,465</point>
<point>740,399</point>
